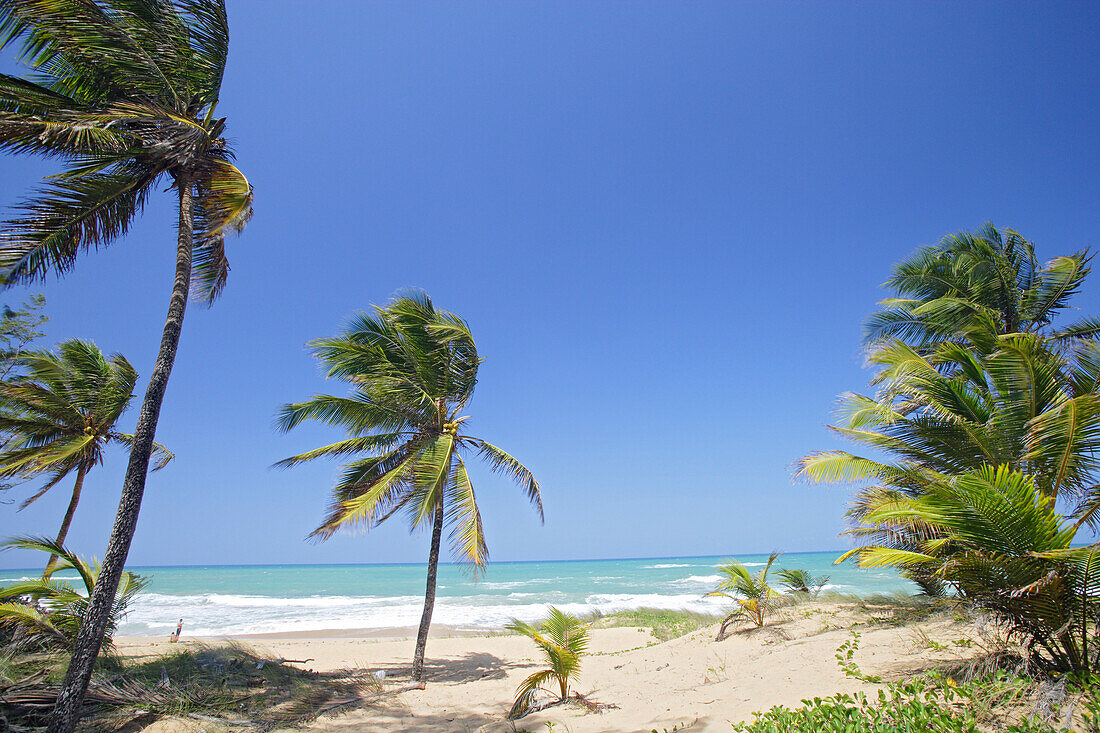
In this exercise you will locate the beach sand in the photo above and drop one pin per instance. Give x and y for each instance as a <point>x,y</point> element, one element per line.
<point>692,682</point>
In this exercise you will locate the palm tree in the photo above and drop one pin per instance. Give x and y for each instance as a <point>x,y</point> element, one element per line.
<point>563,639</point>
<point>988,280</point>
<point>62,415</point>
<point>972,371</point>
<point>755,598</point>
<point>1028,404</point>
<point>412,369</point>
<point>1000,542</point>
<point>49,612</point>
<point>802,581</point>
<point>124,93</point>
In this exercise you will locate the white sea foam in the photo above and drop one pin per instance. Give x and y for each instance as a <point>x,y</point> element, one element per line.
<point>215,614</point>
<point>36,577</point>
<point>508,584</point>
<point>664,566</point>
<point>698,580</point>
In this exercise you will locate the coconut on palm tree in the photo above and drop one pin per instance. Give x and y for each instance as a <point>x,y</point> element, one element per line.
<point>411,370</point>
<point>124,93</point>
<point>61,415</point>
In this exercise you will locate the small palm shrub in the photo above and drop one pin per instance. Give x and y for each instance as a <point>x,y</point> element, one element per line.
<point>997,539</point>
<point>755,598</point>
<point>802,581</point>
<point>46,613</point>
<point>563,639</point>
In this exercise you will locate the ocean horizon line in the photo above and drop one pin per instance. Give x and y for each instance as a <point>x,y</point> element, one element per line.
<point>455,564</point>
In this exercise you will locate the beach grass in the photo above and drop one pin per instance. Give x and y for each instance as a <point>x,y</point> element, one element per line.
<point>228,683</point>
<point>664,623</point>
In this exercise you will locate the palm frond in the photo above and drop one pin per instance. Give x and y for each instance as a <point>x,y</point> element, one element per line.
<point>501,462</point>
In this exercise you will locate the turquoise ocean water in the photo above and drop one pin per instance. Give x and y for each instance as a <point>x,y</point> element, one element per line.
<point>286,598</point>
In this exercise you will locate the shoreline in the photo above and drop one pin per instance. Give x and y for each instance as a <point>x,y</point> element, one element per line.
<point>441,631</point>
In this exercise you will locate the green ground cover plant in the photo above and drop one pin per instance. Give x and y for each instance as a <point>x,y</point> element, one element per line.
<point>665,624</point>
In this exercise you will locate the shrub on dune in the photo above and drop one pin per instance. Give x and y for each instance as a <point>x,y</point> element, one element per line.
<point>802,581</point>
<point>755,598</point>
<point>563,640</point>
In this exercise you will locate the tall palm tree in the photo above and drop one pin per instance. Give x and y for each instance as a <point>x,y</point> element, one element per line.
<point>62,415</point>
<point>412,369</point>
<point>988,280</point>
<point>124,93</point>
<point>972,372</point>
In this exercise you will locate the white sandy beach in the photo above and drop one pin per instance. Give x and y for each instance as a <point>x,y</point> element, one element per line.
<point>692,682</point>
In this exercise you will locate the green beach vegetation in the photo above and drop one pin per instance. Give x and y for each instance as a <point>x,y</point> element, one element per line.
<point>412,370</point>
<point>60,415</point>
<point>754,596</point>
<point>563,640</point>
<point>663,623</point>
<point>989,414</point>
<point>46,613</point>
<point>124,94</point>
<point>801,581</point>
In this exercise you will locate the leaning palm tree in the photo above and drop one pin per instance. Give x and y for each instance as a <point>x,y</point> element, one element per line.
<point>61,415</point>
<point>412,369</point>
<point>563,640</point>
<point>124,93</point>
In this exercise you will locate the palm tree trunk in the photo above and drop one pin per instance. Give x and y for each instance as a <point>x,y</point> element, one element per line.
<point>70,697</point>
<point>81,472</point>
<point>429,595</point>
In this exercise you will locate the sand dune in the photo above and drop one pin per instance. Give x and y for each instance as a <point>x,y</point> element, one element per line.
<point>692,681</point>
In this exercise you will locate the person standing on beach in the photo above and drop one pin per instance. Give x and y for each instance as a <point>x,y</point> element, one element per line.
<point>179,630</point>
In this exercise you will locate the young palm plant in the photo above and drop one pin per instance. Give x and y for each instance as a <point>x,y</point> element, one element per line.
<point>61,415</point>
<point>124,93</point>
<point>563,640</point>
<point>755,598</point>
<point>412,369</point>
<point>802,581</point>
<point>48,612</point>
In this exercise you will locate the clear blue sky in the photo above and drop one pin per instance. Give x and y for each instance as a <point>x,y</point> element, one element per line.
<point>665,223</point>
